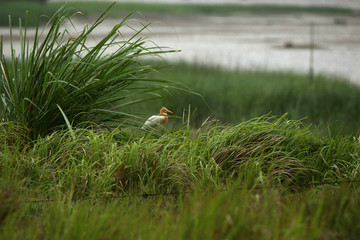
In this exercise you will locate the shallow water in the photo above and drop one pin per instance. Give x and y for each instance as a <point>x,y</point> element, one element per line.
<point>243,41</point>
<point>271,41</point>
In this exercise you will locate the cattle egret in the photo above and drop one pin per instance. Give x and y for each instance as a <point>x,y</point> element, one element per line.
<point>157,120</point>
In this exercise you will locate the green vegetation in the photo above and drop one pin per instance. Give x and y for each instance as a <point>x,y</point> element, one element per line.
<point>64,79</point>
<point>17,8</point>
<point>265,151</point>
<point>234,96</point>
<point>264,178</point>
<point>280,181</point>
<point>246,214</point>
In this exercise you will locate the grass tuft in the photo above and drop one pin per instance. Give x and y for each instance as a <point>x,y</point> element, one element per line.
<point>64,79</point>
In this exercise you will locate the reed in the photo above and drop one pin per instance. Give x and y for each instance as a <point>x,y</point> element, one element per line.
<point>60,78</point>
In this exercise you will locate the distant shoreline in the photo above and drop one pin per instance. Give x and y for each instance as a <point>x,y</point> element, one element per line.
<point>352,4</point>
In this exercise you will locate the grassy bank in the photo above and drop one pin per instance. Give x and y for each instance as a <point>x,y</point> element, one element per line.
<point>234,96</point>
<point>260,152</point>
<point>17,9</point>
<point>267,178</point>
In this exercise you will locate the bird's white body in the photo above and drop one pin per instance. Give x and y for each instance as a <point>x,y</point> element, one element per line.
<point>156,121</point>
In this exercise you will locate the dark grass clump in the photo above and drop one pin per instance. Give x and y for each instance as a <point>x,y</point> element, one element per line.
<point>277,149</point>
<point>283,152</point>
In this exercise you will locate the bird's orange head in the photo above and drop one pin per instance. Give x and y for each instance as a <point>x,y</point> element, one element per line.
<point>164,111</point>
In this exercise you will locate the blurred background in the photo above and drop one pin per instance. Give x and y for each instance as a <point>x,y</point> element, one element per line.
<point>246,58</point>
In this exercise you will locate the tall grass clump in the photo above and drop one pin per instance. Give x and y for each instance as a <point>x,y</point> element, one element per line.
<point>61,78</point>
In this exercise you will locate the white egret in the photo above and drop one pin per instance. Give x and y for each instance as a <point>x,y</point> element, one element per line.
<point>157,120</point>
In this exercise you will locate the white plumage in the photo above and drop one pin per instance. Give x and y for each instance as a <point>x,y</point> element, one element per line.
<point>156,120</point>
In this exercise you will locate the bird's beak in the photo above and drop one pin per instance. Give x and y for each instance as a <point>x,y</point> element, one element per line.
<point>169,111</point>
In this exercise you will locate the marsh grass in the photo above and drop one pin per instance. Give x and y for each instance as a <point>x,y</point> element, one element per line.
<point>261,152</point>
<point>63,79</point>
<point>251,214</point>
<point>329,103</point>
<point>266,178</point>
